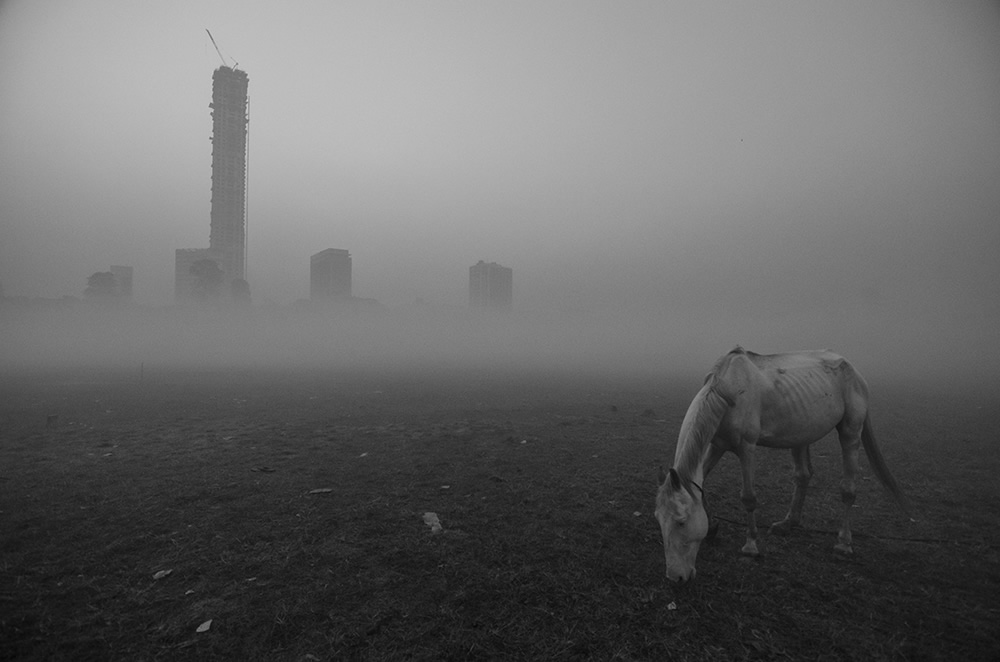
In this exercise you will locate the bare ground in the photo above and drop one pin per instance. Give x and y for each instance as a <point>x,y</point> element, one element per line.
<point>543,483</point>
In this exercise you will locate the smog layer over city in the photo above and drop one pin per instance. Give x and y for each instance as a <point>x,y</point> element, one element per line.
<point>439,330</point>
<point>665,180</point>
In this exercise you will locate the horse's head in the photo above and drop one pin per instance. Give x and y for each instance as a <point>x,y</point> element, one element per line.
<point>680,509</point>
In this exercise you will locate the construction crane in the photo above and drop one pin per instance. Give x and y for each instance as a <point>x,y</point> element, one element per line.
<point>218,51</point>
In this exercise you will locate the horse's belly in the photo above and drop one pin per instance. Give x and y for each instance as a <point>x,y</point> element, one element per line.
<point>790,438</point>
<point>791,431</point>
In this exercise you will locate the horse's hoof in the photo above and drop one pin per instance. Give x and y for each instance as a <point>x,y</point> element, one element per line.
<point>750,549</point>
<point>782,528</point>
<point>841,548</point>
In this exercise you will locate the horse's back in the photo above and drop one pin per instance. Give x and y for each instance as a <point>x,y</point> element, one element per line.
<point>816,365</point>
<point>815,359</point>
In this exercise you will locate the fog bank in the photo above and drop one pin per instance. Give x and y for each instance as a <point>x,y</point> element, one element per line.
<point>428,338</point>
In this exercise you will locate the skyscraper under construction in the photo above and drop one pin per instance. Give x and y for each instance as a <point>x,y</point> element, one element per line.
<point>228,238</point>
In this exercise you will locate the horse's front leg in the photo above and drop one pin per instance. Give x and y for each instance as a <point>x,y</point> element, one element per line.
<point>749,497</point>
<point>712,458</point>
<point>803,472</point>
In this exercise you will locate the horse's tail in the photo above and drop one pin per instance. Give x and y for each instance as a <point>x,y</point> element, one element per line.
<point>879,466</point>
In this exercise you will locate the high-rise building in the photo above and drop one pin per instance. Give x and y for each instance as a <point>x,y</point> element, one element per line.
<point>229,170</point>
<point>491,286</point>
<point>330,275</point>
<point>227,239</point>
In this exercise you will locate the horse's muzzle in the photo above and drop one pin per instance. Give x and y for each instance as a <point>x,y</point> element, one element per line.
<point>681,580</point>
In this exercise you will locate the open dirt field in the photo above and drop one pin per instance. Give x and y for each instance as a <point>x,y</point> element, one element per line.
<point>288,510</point>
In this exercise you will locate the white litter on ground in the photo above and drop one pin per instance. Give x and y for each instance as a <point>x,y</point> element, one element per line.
<point>431,520</point>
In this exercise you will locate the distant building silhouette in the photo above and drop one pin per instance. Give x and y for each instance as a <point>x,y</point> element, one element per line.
<point>123,279</point>
<point>330,275</point>
<point>228,230</point>
<point>186,285</point>
<point>491,286</point>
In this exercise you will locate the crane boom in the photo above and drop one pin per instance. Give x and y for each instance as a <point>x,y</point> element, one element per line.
<point>216,47</point>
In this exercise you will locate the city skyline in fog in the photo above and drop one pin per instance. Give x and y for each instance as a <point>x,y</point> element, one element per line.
<point>772,166</point>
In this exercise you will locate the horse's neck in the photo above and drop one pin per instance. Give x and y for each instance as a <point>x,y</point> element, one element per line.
<point>691,463</point>
<point>699,427</point>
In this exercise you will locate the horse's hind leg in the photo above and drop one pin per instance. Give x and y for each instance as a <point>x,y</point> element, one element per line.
<point>850,440</point>
<point>749,497</point>
<point>803,472</point>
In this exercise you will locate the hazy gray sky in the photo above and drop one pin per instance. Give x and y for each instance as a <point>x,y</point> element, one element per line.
<point>762,159</point>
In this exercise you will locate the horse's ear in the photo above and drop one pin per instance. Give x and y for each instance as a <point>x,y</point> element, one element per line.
<point>675,480</point>
<point>661,477</point>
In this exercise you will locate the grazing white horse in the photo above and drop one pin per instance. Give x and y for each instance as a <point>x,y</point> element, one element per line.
<point>776,401</point>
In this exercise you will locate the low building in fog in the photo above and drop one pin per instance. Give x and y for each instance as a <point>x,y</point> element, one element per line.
<point>491,286</point>
<point>330,275</point>
<point>123,279</point>
<point>188,287</point>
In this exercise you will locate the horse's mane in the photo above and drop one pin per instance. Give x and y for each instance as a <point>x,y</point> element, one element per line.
<point>699,426</point>
<point>705,413</point>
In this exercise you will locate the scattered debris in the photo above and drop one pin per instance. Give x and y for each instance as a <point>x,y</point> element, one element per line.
<point>264,470</point>
<point>204,627</point>
<point>162,573</point>
<point>636,514</point>
<point>363,454</point>
<point>446,487</point>
<point>672,606</point>
<point>321,490</point>
<point>431,520</point>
